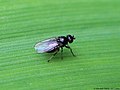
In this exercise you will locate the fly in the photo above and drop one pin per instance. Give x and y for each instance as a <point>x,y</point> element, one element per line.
<point>53,45</point>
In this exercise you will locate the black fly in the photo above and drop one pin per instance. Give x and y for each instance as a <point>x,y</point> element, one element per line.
<point>53,45</point>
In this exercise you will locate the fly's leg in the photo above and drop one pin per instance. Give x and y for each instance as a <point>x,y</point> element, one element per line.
<point>61,52</point>
<point>53,54</point>
<point>70,50</point>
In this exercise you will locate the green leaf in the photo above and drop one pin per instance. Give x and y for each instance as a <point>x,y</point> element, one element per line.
<point>94,23</point>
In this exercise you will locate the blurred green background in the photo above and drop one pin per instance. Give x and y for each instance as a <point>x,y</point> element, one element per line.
<point>96,26</point>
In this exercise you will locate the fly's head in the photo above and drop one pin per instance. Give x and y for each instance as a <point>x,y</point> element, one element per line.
<point>70,38</point>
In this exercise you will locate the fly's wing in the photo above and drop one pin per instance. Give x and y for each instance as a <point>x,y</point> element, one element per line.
<point>46,45</point>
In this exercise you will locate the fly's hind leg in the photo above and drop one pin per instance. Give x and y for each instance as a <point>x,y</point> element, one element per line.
<point>57,50</point>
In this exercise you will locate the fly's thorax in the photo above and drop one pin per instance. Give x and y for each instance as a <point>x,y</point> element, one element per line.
<point>62,41</point>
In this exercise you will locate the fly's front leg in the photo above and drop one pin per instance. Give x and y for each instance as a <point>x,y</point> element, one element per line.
<point>57,50</point>
<point>70,50</point>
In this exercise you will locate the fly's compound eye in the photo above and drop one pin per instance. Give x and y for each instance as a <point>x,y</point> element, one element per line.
<point>70,38</point>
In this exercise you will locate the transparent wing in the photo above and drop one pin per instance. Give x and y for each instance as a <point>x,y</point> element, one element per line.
<point>46,45</point>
